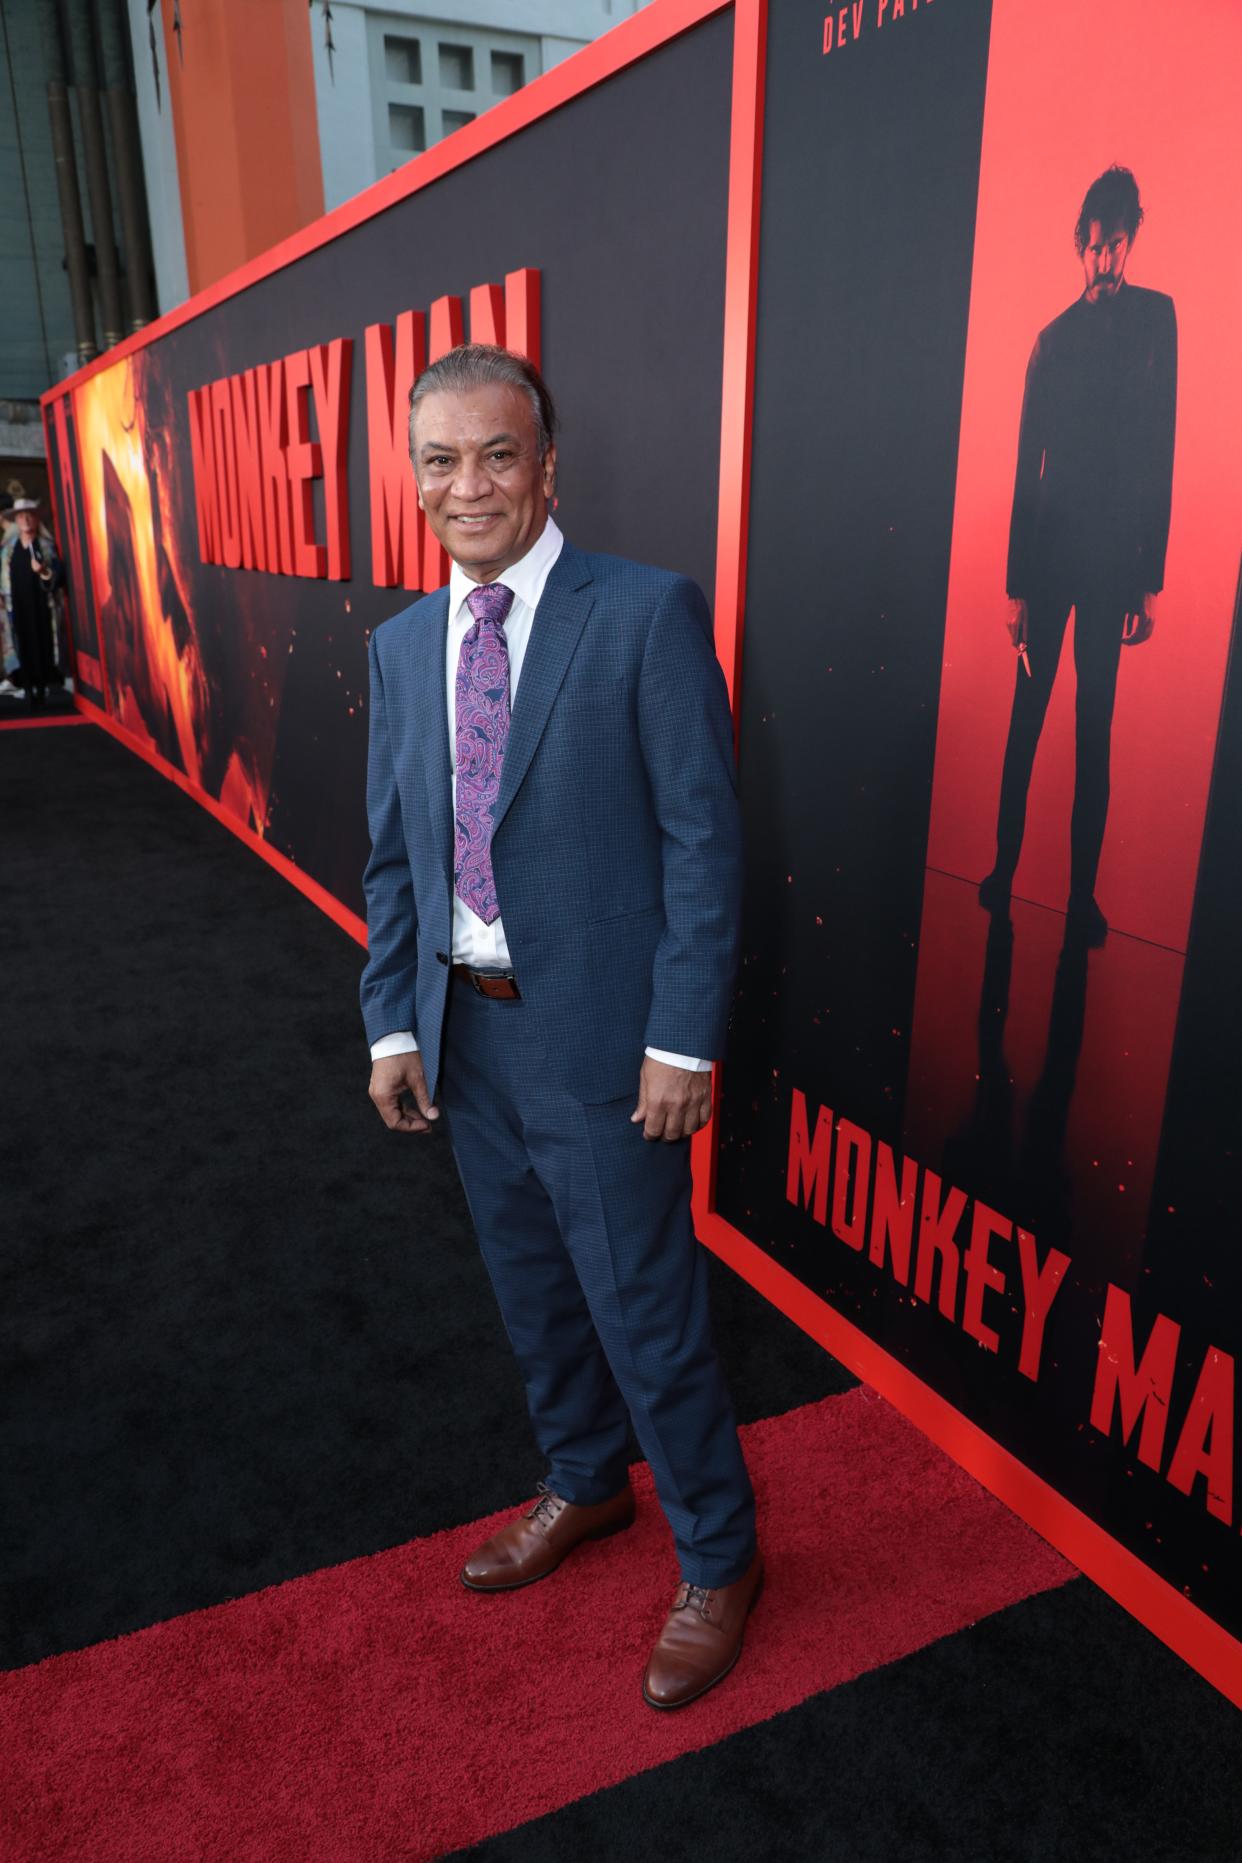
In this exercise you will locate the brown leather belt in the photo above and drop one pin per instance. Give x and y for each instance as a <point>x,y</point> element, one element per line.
<point>500,989</point>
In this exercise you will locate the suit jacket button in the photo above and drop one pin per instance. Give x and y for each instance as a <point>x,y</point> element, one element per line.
<point>441,957</point>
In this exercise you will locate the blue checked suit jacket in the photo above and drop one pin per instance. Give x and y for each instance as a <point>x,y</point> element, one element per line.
<point>616,841</point>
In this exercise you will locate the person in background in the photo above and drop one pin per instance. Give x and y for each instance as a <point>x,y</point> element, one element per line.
<point>30,574</point>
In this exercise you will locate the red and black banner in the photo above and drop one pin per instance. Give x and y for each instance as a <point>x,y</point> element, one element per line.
<point>998,1143</point>
<point>247,505</point>
<point>982,1147</point>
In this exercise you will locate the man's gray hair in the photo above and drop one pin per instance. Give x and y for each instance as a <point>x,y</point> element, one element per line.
<point>479,365</point>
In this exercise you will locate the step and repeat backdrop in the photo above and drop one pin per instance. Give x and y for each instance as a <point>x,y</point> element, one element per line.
<point>991,593</point>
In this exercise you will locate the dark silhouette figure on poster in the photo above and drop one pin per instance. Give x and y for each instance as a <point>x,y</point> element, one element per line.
<point>1089,526</point>
<point>1024,1167</point>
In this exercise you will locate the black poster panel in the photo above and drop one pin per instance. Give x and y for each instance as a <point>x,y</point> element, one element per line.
<point>994,1129</point>
<point>870,175</point>
<point>254,684</point>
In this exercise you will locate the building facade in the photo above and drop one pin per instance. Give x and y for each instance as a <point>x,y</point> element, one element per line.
<point>391,80</point>
<point>119,195</point>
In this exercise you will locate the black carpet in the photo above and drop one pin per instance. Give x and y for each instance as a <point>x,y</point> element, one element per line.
<point>1057,1731</point>
<point>245,1333</point>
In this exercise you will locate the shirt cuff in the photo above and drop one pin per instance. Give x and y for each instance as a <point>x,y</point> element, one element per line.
<point>401,1042</point>
<point>671,1060</point>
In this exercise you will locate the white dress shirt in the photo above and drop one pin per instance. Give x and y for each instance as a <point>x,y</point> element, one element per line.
<point>483,947</point>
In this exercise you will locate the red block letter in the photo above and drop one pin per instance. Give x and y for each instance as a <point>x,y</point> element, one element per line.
<point>330,373</point>
<point>509,317</point>
<point>226,472</point>
<point>396,521</point>
<point>522,313</point>
<point>203,459</point>
<point>1143,1391</point>
<point>982,1273</point>
<point>807,1172</point>
<point>446,333</point>
<point>249,477</point>
<point>892,1215</point>
<point>937,1227</point>
<point>270,382</point>
<point>447,330</point>
<point>1039,1285</point>
<point>487,315</point>
<point>305,463</point>
<point>1210,1413</point>
<point>853,1170</point>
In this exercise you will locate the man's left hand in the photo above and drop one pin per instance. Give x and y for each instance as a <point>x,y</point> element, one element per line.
<point>1138,626</point>
<point>673,1102</point>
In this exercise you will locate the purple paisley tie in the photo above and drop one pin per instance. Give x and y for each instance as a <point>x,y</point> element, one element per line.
<point>482,695</point>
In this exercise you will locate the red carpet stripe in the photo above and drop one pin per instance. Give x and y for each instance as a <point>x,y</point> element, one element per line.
<point>378,1709</point>
<point>41,724</point>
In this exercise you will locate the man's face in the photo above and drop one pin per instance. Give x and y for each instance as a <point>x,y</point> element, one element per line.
<point>27,524</point>
<point>480,478</point>
<point>1104,261</point>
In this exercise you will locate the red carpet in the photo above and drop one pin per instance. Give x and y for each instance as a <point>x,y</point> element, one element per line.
<point>379,1710</point>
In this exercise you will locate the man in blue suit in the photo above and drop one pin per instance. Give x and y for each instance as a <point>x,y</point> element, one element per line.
<point>552,909</point>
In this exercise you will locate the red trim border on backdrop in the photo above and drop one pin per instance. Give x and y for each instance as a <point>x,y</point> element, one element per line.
<point>1172,1617</point>
<point>41,724</point>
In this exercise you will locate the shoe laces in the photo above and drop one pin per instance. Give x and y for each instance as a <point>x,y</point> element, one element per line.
<point>697,1598</point>
<point>547,1507</point>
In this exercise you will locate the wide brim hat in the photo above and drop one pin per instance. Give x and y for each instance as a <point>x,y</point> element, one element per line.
<point>23,504</point>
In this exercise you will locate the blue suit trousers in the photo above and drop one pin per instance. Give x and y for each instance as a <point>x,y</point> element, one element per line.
<point>586,1231</point>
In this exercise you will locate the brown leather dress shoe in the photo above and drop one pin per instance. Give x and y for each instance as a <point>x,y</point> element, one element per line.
<point>701,1639</point>
<point>534,1545</point>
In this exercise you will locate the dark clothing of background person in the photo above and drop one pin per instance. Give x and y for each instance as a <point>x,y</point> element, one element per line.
<point>32,620</point>
<point>1088,532</point>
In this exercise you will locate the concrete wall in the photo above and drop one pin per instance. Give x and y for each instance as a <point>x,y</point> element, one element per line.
<point>344,100</point>
<point>159,161</point>
<point>345,96</point>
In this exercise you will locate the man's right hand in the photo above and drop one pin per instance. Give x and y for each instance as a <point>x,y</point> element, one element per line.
<point>398,1074</point>
<point>1017,623</point>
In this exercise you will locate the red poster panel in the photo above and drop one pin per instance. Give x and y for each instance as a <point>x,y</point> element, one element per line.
<point>1071,91</point>
<point>132,483</point>
<point>943,1055</point>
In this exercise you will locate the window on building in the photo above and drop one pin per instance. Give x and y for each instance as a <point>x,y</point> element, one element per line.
<point>456,67</point>
<point>508,73</point>
<point>428,79</point>
<point>407,127</point>
<point>403,60</point>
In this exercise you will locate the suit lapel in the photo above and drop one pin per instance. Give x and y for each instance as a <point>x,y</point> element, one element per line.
<point>559,620</point>
<point>431,724</point>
